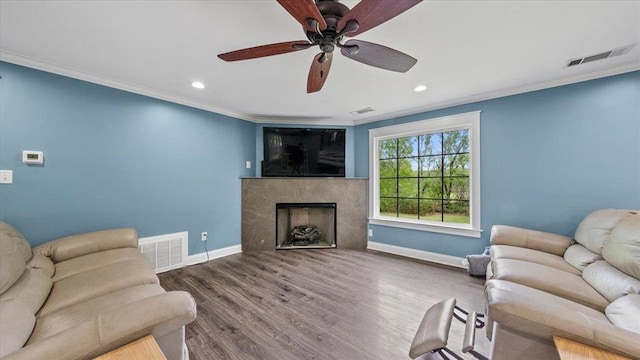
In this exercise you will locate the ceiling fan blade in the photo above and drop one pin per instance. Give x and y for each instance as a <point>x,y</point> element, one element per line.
<point>378,55</point>
<point>303,10</point>
<point>319,72</point>
<point>371,13</point>
<point>265,50</point>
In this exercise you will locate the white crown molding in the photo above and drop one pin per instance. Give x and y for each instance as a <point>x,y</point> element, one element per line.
<point>38,64</point>
<point>213,254</point>
<point>34,63</point>
<point>307,121</point>
<point>418,254</point>
<point>503,93</point>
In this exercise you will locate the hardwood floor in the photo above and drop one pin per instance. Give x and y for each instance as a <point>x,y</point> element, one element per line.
<point>318,304</point>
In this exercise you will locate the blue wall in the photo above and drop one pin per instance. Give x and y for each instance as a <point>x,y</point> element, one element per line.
<point>548,158</point>
<point>115,159</point>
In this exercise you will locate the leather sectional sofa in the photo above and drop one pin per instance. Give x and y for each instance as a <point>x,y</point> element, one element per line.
<point>82,296</point>
<point>586,289</point>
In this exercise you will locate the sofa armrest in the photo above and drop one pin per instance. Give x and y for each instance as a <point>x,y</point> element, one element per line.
<point>157,315</point>
<point>531,239</point>
<point>538,314</point>
<point>617,339</point>
<point>82,244</point>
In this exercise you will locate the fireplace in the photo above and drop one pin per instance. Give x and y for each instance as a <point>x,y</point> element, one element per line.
<point>305,225</point>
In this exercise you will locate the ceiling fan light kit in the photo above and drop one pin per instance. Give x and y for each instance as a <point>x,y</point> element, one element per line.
<point>326,23</point>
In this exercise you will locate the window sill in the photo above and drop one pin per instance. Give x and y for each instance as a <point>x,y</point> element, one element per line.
<point>452,229</point>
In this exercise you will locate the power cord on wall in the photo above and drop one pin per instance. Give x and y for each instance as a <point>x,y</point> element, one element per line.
<point>206,251</point>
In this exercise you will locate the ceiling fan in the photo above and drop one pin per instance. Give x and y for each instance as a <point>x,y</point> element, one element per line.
<point>326,23</point>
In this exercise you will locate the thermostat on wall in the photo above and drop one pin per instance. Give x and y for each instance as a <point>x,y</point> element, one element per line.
<point>32,157</point>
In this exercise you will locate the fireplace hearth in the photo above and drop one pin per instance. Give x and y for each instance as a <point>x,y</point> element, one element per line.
<point>305,225</point>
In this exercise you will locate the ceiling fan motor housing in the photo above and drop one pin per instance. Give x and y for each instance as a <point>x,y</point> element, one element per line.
<point>332,11</point>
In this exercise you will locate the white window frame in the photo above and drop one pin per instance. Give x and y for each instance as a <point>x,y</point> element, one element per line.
<point>470,121</point>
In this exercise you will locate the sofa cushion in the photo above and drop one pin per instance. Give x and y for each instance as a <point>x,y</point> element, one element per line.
<point>16,325</point>
<point>535,256</point>
<point>537,312</point>
<point>76,314</point>
<point>625,312</point>
<point>97,282</point>
<point>595,228</point>
<point>31,290</point>
<point>548,279</point>
<point>88,262</point>
<point>82,244</point>
<point>531,239</point>
<point>609,281</point>
<point>579,256</point>
<point>15,251</point>
<point>622,250</point>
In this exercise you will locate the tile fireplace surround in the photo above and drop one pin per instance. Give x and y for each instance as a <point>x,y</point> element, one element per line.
<point>260,196</point>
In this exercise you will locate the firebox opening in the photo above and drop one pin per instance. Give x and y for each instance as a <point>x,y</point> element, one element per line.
<point>305,225</point>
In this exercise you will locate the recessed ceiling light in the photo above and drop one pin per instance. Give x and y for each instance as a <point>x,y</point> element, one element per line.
<point>420,88</point>
<point>197,85</point>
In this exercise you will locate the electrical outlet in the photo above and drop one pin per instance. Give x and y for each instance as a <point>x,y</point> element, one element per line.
<point>370,232</point>
<point>204,236</point>
<point>6,176</point>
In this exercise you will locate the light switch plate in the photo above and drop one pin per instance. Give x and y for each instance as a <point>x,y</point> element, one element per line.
<point>6,176</point>
<point>247,164</point>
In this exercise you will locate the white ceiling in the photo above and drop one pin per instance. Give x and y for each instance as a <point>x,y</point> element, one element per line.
<point>466,51</point>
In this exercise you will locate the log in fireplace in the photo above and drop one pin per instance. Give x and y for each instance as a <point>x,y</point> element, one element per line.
<point>305,225</point>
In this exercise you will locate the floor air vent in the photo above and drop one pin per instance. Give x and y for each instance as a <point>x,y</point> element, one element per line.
<point>165,252</point>
<point>600,56</point>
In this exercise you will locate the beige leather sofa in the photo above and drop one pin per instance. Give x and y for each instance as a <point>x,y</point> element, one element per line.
<point>81,296</point>
<point>585,289</point>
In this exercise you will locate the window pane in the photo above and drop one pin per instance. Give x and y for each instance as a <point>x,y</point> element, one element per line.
<point>431,144</point>
<point>456,188</point>
<point>388,207</point>
<point>405,146</point>
<point>456,165</point>
<point>406,167</point>
<point>431,166</point>
<point>431,188</point>
<point>388,149</point>
<point>408,187</point>
<point>424,141</point>
<point>414,141</point>
<point>415,166</point>
<point>456,141</point>
<point>408,208</point>
<point>388,187</point>
<point>388,168</point>
<point>431,210</point>
<point>456,211</point>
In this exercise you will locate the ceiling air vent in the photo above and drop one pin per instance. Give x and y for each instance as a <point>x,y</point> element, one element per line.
<point>600,56</point>
<point>361,111</point>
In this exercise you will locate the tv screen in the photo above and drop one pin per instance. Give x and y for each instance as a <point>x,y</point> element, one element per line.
<point>303,152</point>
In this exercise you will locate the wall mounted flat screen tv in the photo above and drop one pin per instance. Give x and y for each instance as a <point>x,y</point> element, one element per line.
<point>303,152</point>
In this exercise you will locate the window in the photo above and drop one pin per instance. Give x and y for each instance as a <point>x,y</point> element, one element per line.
<point>426,175</point>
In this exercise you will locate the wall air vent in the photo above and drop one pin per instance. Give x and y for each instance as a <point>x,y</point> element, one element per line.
<point>361,111</point>
<point>600,56</point>
<point>165,252</point>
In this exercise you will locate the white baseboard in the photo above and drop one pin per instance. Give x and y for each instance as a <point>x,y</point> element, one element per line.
<point>213,254</point>
<point>419,254</point>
